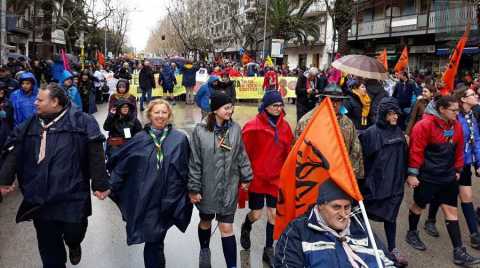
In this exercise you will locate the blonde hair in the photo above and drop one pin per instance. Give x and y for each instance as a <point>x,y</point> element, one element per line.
<point>156,102</point>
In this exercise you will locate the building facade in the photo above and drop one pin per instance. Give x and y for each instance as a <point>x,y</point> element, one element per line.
<point>430,30</point>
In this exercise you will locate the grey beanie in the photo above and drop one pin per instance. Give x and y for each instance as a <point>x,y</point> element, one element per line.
<point>329,191</point>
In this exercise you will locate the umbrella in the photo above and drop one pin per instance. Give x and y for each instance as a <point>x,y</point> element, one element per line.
<point>17,56</point>
<point>362,66</point>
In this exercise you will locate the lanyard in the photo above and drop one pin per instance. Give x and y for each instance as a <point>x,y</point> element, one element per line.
<point>158,144</point>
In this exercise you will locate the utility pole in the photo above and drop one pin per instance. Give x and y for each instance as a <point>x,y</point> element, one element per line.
<point>34,25</point>
<point>3,31</point>
<point>265,29</point>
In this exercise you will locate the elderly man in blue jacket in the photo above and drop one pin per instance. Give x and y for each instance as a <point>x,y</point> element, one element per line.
<point>328,236</point>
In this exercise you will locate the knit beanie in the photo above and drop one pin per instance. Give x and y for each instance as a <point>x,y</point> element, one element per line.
<point>270,97</point>
<point>218,99</point>
<point>329,191</point>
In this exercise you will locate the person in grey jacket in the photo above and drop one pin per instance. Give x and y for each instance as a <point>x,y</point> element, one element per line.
<point>218,165</point>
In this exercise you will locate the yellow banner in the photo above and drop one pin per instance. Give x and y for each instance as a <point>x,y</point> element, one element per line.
<point>245,87</point>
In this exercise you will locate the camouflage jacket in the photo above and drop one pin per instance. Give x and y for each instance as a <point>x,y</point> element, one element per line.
<point>352,143</point>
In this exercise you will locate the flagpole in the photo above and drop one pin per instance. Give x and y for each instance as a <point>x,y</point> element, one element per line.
<point>370,234</point>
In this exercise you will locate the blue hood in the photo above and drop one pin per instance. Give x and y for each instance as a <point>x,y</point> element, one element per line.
<point>65,75</point>
<point>28,76</point>
<point>212,79</point>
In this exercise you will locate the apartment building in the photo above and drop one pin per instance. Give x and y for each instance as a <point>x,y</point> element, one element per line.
<point>317,53</point>
<point>220,19</point>
<point>429,28</point>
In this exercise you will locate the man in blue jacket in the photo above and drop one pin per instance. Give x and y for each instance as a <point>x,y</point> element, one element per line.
<point>23,99</point>
<point>55,154</point>
<point>328,236</point>
<point>202,99</point>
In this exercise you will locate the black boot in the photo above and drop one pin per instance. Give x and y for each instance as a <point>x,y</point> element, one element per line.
<point>75,254</point>
<point>414,240</point>
<point>431,228</point>
<point>461,257</point>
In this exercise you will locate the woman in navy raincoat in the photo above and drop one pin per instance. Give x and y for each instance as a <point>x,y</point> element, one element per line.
<point>149,183</point>
<point>385,155</point>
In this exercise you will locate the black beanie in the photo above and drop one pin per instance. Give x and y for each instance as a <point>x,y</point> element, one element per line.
<point>329,191</point>
<point>218,99</point>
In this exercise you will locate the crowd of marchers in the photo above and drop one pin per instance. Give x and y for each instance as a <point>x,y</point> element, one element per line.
<point>399,134</point>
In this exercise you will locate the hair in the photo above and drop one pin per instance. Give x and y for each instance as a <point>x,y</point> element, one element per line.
<point>444,102</point>
<point>460,92</point>
<point>156,102</point>
<point>55,91</point>
<point>211,121</point>
<point>358,82</point>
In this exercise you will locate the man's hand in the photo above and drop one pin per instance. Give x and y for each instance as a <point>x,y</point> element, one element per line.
<point>457,176</point>
<point>309,90</point>
<point>245,186</point>
<point>413,181</point>
<point>195,197</point>
<point>4,190</point>
<point>102,195</point>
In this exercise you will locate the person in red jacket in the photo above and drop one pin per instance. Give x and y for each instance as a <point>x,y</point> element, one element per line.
<point>268,139</point>
<point>434,166</point>
<point>270,80</point>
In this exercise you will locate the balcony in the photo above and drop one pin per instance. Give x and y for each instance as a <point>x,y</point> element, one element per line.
<point>18,24</point>
<point>453,20</point>
<point>317,8</point>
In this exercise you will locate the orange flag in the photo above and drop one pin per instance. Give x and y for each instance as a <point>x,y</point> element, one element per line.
<point>101,58</point>
<point>382,58</point>
<point>319,154</point>
<point>246,59</point>
<point>402,63</point>
<point>450,73</point>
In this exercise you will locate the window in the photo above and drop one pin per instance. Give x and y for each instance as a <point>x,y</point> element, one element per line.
<point>408,7</point>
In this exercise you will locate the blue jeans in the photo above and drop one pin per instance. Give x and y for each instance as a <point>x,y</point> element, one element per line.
<point>146,97</point>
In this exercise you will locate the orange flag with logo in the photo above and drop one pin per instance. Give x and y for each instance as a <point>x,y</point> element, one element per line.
<point>382,58</point>
<point>319,154</point>
<point>450,73</point>
<point>402,63</point>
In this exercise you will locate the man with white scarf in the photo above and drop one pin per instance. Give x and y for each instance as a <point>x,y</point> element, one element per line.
<point>54,155</point>
<point>330,235</point>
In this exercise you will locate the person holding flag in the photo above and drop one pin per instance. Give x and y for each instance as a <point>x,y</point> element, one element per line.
<point>268,139</point>
<point>349,133</point>
<point>330,235</point>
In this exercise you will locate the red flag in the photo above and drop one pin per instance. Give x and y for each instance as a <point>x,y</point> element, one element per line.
<point>66,65</point>
<point>402,63</point>
<point>382,58</point>
<point>319,154</point>
<point>101,58</point>
<point>450,73</point>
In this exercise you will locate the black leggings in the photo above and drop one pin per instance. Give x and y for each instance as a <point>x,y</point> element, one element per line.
<point>153,255</point>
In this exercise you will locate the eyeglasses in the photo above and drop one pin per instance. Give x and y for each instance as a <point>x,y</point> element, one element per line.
<point>470,95</point>
<point>277,106</point>
<point>454,110</point>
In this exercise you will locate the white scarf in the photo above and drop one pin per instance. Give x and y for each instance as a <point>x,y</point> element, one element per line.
<point>43,141</point>
<point>343,237</point>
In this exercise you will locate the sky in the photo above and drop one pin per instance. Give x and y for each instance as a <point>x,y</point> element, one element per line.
<point>143,18</point>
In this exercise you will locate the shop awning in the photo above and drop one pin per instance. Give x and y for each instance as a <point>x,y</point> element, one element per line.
<point>442,52</point>
<point>471,50</point>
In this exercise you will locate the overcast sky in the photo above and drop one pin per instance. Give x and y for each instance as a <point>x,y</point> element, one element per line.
<point>143,19</point>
